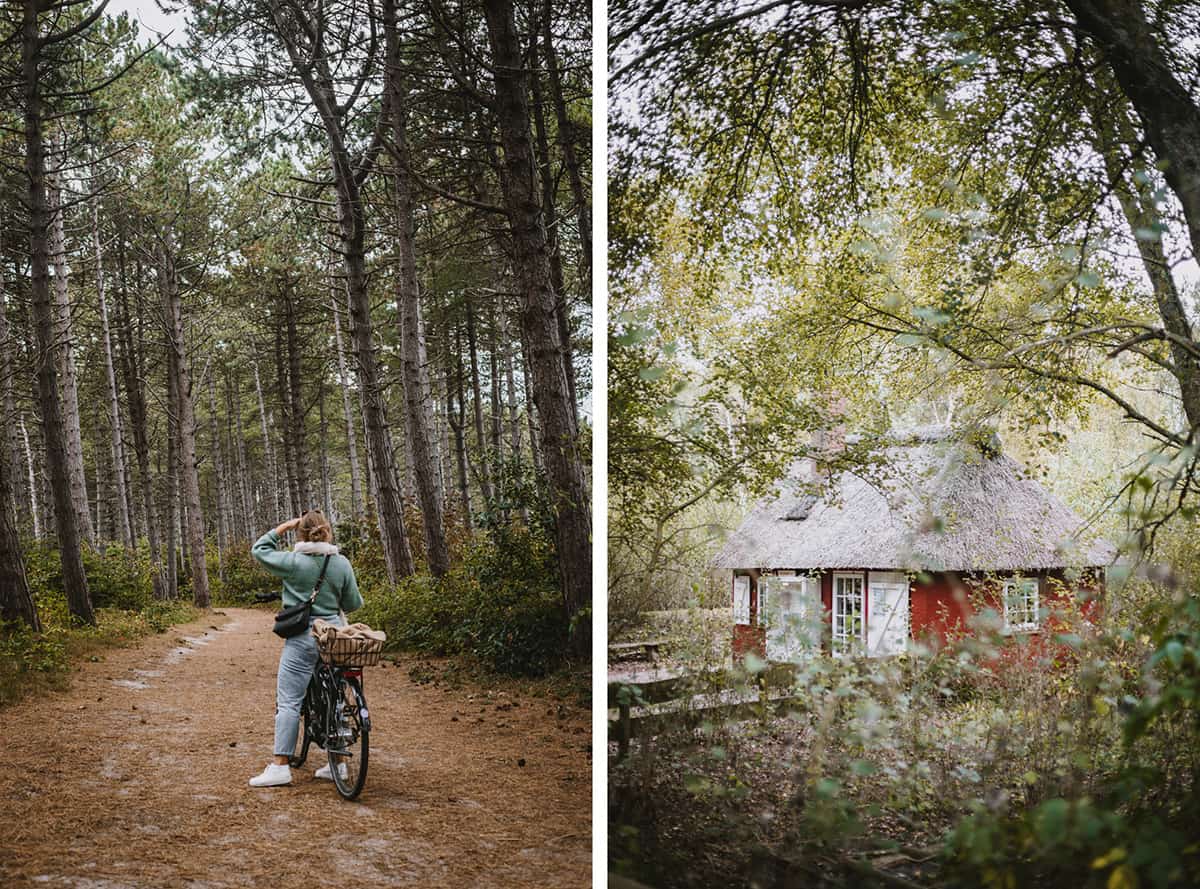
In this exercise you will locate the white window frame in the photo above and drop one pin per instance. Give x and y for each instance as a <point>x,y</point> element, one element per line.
<point>842,639</point>
<point>1029,590</point>
<point>741,598</point>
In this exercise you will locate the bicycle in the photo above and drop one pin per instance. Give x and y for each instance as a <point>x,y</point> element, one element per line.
<point>335,717</point>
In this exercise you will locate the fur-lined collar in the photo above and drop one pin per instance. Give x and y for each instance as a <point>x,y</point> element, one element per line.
<point>315,548</point>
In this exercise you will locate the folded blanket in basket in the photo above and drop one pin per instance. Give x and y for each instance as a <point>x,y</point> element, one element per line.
<point>326,632</point>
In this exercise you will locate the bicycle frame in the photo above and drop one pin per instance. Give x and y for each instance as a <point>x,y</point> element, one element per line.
<point>322,698</point>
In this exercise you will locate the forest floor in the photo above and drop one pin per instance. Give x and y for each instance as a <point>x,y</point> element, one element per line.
<point>136,776</point>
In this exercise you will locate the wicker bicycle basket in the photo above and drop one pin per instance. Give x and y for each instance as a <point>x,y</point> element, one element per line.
<point>351,652</point>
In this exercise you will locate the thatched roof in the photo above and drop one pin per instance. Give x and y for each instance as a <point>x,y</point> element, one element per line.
<point>935,503</point>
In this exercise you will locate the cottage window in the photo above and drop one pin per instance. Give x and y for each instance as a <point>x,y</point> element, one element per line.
<point>847,610</point>
<point>1020,604</point>
<point>741,599</point>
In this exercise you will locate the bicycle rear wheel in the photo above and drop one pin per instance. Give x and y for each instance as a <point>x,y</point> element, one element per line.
<point>304,735</point>
<point>348,745</point>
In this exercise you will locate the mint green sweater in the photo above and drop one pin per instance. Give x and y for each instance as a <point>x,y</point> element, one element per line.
<point>299,572</point>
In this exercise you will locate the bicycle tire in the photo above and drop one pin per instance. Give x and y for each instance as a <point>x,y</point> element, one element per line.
<point>358,747</point>
<point>304,735</point>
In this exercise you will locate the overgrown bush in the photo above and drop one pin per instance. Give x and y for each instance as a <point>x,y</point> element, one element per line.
<point>990,763</point>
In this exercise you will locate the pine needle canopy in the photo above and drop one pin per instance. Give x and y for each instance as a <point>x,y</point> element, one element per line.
<point>934,502</point>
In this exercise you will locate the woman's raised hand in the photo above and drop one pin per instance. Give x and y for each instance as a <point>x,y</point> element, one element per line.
<point>287,526</point>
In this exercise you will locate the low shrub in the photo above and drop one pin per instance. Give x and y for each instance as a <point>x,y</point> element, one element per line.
<point>121,587</point>
<point>240,578</point>
<point>502,606</point>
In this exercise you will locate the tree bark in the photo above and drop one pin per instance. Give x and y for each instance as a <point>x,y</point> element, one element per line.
<point>34,498</point>
<point>296,411</point>
<point>550,216</point>
<point>1170,117</point>
<point>1112,137</point>
<point>219,477</point>
<point>233,408</point>
<point>187,430</point>
<point>172,556</point>
<point>484,472</point>
<point>412,333</point>
<point>136,399</point>
<point>12,434</point>
<point>272,466</point>
<point>356,492</point>
<point>120,471</point>
<point>53,431</point>
<point>284,400</point>
<point>68,378</point>
<point>531,264</point>
<point>16,602</point>
<point>457,420</point>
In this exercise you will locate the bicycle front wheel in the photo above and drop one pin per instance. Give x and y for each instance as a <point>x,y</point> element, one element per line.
<point>349,745</point>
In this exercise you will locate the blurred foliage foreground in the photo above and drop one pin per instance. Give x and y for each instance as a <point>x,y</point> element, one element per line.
<point>1071,766</point>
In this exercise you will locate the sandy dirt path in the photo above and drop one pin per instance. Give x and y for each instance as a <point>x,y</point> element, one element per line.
<point>136,777</point>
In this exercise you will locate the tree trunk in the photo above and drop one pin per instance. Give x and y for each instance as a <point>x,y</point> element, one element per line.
<point>457,419</point>
<point>120,472</point>
<point>1142,218</point>
<point>272,466</point>
<point>219,476</point>
<point>550,216</point>
<point>34,498</point>
<point>497,405</point>
<point>1170,117</point>
<point>172,559</point>
<point>296,412</point>
<point>356,492</point>
<point>12,434</point>
<point>187,431</point>
<point>53,431</point>
<point>348,178</point>
<point>387,495</point>
<point>531,264</point>
<point>566,143</point>
<point>16,602</point>
<point>412,334</point>
<point>326,499</point>
<point>233,408</point>
<point>68,378</point>
<point>485,477</point>
<point>535,433</point>
<point>136,399</point>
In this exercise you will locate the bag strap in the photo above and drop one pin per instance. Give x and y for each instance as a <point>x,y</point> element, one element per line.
<point>321,580</point>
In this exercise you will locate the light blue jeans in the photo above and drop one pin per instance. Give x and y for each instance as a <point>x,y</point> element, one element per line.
<point>296,663</point>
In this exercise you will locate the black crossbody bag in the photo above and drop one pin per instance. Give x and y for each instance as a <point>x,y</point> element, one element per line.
<point>293,621</point>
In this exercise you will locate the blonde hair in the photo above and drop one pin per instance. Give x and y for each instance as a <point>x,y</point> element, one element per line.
<point>314,527</point>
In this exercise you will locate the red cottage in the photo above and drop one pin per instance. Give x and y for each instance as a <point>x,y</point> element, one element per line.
<point>906,548</point>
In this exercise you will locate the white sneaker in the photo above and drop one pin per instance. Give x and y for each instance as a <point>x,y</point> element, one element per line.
<point>324,772</point>
<point>274,775</point>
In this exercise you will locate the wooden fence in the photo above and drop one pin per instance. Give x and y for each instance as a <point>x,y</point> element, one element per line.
<point>646,708</point>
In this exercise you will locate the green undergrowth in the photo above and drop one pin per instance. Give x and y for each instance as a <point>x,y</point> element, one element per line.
<point>987,764</point>
<point>498,610</point>
<point>500,606</point>
<point>126,611</point>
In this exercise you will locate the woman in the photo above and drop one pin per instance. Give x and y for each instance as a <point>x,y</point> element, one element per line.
<point>299,570</point>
